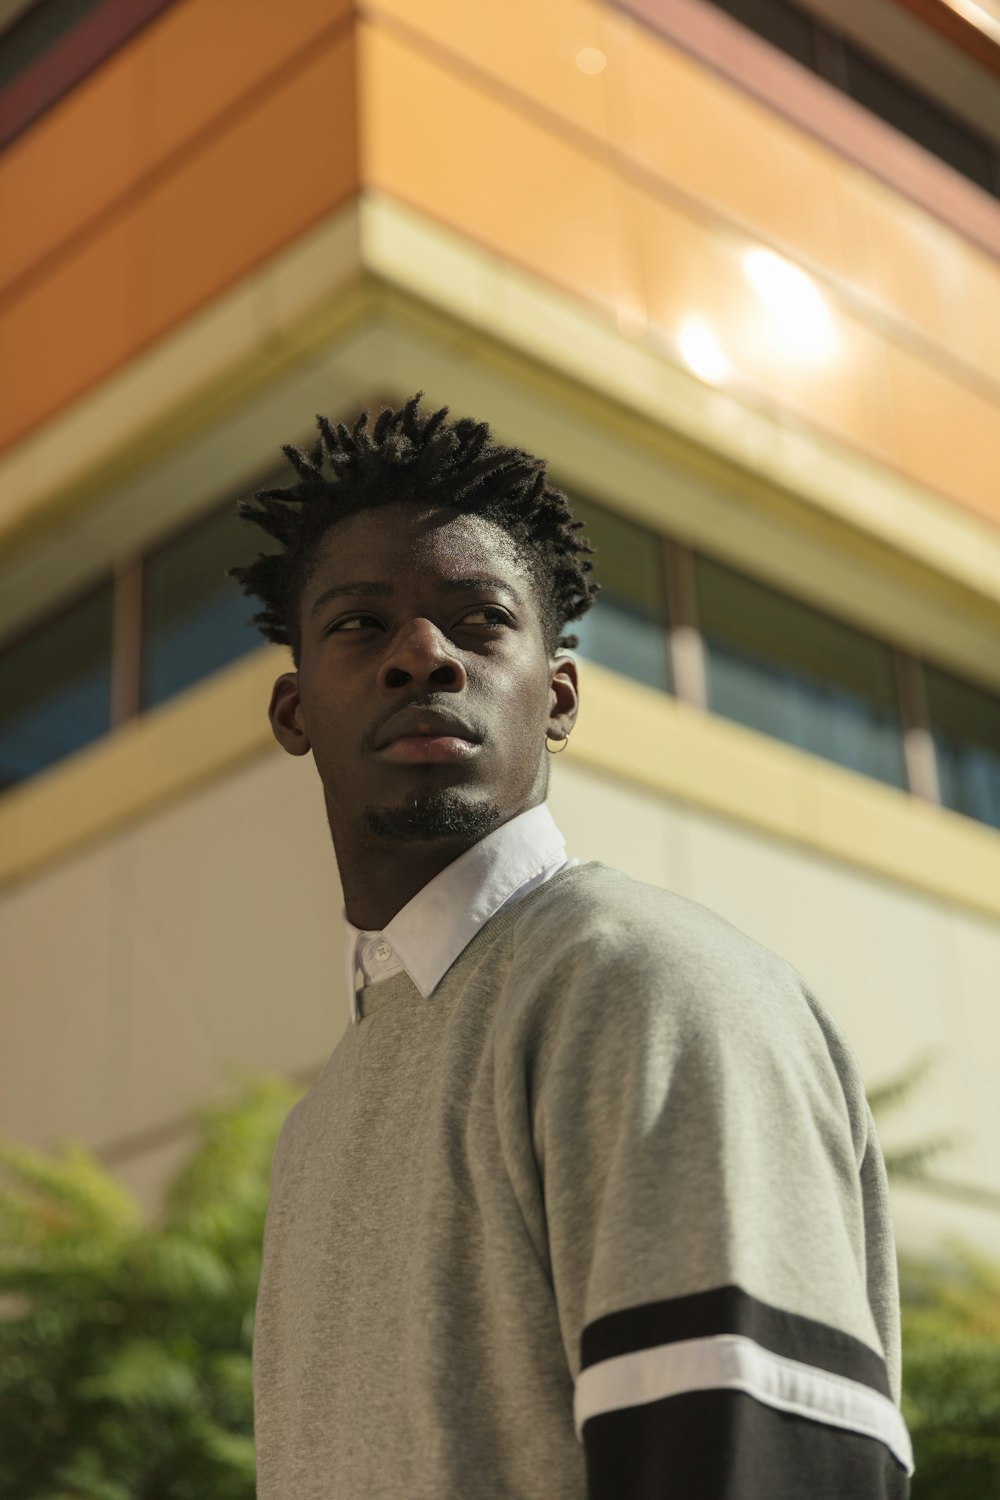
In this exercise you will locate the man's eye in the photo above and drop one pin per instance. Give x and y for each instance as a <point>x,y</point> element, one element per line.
<point>491,616</point>
<point>352,622</point>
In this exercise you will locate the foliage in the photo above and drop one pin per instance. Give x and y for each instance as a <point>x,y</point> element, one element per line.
<point>125,1347</point>
<point>951,1373</point>
<point>950,1316</point>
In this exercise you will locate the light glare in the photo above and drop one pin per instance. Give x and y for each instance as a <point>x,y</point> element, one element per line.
<point>794,301</point>
<point>591,60</point>
<point>702,352</point>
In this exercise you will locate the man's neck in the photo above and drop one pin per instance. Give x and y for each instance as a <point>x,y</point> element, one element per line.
<point>379,877</point>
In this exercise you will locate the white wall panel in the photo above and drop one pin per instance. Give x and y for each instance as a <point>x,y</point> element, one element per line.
<point>137,974</point>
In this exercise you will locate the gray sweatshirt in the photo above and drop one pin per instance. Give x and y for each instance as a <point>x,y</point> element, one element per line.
<point>605,1215</point>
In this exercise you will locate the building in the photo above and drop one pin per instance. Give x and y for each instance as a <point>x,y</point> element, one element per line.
<point>732,269</point>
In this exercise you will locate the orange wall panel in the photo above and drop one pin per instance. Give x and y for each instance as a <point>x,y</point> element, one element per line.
<point>66,331</point>
<point>209,143</point>
<point>661,112</point>
<point>249,191</point>
<point>437,142</point>
<point>513,181</point>
<point>199,60</point>
<point>274,171</point>
<point>946,436</point>
<point>65,170</point>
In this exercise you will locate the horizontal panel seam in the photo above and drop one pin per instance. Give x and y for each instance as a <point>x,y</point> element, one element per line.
<point>891,326</point>
<point>170,165</point>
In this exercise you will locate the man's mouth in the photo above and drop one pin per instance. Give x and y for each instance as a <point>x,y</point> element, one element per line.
<point>414,748</point>
<point>416,734</point>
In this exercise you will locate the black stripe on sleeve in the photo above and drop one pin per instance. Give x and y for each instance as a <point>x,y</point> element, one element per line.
<point>725,1445</point>
<point>729,1309</point>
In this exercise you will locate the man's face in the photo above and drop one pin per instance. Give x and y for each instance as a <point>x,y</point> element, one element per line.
<point>425,690</point>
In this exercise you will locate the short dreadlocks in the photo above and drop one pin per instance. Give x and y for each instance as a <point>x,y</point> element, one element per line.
<point>428,460</point>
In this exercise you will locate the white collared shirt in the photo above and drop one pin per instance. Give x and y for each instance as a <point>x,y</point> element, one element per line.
<point>426,936</point>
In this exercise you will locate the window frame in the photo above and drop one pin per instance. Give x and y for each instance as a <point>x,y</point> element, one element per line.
<point>684,641</point>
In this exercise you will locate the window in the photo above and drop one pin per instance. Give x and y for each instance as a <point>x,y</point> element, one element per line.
<point>773,662</point>
<point>778,22</point>
<point>856,73</point>
<point>965,723</point>
<point>922,119</point>
<point>195,618</point>
<point>55,687</point>
<point>627,627</point>
<point>781,667</point>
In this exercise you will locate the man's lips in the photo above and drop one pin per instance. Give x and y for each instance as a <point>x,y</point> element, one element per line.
<point>412,748</point>
<point>425,724</point>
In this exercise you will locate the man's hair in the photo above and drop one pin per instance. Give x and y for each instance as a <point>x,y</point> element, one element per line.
<point>430,462</point>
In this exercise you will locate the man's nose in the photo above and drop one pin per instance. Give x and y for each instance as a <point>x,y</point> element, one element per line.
<point>420,653</point>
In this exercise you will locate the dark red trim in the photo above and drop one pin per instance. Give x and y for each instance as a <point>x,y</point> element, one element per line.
<point>67,63</point>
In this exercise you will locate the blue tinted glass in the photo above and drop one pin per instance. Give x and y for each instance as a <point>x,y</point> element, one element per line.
<point>627,628</point>
<point>55,688</point>
<point>778,666</point>
<point>195,619</point>
<point>965,723</point>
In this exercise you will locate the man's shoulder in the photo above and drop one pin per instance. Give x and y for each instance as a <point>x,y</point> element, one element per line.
<point>617,920</point>
<point>596,903</point>
<point>674,966</point>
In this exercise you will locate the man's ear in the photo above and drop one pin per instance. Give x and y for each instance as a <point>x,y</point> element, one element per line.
<point>285,714</point>
<point>564,697</point>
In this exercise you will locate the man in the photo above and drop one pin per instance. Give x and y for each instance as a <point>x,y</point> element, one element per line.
<point>588,1200</point>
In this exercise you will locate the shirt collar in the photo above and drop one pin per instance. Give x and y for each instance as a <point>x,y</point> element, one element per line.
<point>435,925</point>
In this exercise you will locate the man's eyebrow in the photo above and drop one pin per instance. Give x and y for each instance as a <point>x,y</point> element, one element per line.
<point>365,587</point>
<point>369,588</point>
<point>481,580</point>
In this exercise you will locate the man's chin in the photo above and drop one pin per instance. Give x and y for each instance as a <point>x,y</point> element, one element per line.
<point>437,813</point>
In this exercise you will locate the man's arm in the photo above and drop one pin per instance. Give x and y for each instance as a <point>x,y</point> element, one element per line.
<point>718,1230</point>
<point>717,1396</point>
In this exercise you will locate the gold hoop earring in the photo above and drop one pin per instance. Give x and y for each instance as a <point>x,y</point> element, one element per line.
<point>564,742</point>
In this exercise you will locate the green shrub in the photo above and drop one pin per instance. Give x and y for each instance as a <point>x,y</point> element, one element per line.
<point>951,1373</point>
<point>125,1347</point>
